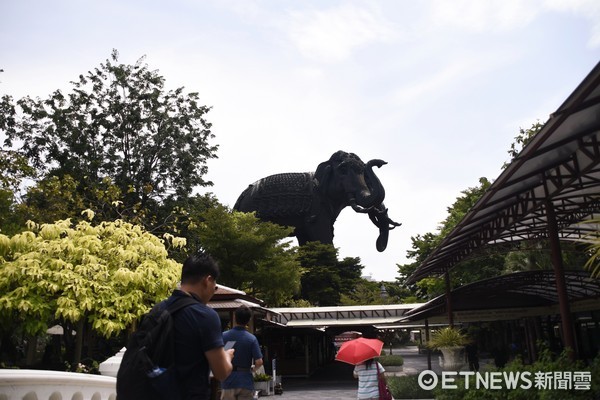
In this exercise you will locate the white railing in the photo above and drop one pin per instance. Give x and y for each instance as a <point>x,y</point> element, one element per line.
<point>27,384</point>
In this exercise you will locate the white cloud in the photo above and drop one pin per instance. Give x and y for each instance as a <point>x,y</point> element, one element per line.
<point>451,75</point>
<point>505,15</point>
<point>482,16</point>
<point>588,9</point>
<point>431,84</point>
<point>333,34</point>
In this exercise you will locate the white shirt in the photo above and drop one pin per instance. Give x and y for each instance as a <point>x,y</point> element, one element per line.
<point>368,384</point>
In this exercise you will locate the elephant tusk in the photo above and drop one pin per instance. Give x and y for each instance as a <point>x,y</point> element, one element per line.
<point>394,224</point>
<point>391,222</point>
<point>358,208</point>
<point>380,218</point>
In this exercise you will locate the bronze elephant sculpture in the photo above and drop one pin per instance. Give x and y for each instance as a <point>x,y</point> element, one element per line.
<point>311,202</point>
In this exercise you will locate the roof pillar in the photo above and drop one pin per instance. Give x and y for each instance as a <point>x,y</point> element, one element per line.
<point>561,286</point>
<point>449,299</point>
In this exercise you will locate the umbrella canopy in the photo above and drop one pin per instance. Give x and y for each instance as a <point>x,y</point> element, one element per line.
<point>359,350</point>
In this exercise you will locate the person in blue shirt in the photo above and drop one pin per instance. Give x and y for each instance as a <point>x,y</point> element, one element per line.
<point>239,385</point>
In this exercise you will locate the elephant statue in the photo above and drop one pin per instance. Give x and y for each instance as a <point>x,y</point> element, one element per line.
<point>311,202</point>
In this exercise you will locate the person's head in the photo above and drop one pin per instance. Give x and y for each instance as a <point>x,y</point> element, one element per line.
<point>199,275</point>
<point>243,315</point>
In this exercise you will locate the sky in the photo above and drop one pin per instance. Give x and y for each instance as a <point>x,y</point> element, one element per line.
<point>437,88</point>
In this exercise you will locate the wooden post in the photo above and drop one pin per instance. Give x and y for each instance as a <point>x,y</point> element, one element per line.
<point>427,341</point>
<point>561,286</point>
<point>449,299</point>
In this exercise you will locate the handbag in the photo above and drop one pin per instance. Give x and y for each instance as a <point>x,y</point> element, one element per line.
<point>384,391</point>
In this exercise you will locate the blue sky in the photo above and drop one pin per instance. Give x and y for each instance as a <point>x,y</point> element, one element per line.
<point>438,89</point>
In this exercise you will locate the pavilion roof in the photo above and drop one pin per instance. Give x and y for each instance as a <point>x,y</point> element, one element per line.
<point>560,165</point>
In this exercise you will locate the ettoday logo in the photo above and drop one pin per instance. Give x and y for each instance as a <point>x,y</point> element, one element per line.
<point>496,380</point>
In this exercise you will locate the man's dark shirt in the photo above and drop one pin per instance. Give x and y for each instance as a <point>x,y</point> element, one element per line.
<point>197,329</point>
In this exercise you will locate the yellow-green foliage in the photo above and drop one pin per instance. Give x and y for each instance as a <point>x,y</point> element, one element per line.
<point>447,337</point>
<point>109,274</point>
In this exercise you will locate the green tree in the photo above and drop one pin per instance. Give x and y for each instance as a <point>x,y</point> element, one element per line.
<point>51,199</point>
<point>593,264</point>
<point>254,256</point>
<point>327,281</point>
<point>350,271</point>
<point>521,140</point>
<point>366,293</point>
<point>424,245</point>
<point>490,261</point>
<point>398,293</point>
<point>102,277</point>
<point>462,205</point>
<point>118,123</point>
<point>14,170</point>
<point>183,216</point>
<point>591,252</point>
<point>321,281</point>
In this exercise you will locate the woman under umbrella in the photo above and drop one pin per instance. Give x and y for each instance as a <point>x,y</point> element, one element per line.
<point>367,373</point>
<point>361,353</point>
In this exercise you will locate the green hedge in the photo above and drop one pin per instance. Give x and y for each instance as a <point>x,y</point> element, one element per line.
<point>407,387</point>
<point>391,360</point>
<point>547,362</point>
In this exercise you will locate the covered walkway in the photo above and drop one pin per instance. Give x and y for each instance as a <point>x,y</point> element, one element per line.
<point>303,339</point>
<point>549,192</point>
<point>344,316</point>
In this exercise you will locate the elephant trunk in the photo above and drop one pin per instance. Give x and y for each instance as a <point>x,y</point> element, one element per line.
<point>379,217</point>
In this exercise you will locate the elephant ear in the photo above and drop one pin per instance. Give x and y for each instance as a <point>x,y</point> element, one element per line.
<point>323,174</point>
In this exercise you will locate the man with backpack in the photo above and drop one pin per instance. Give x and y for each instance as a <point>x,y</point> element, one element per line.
<point>180,368</point>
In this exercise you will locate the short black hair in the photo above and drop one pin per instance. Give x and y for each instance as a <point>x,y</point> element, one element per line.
<point>197,266</point>
<point>242,315</point>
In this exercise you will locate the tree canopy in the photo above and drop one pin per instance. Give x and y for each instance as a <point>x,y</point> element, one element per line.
<point>105,275</point>
<point>117,126</point>
<point>325,279</point>
<point>254,255</point>
<point>424,245</point>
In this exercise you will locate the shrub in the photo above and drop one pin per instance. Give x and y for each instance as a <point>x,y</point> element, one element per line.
<point>262,378</point>
<point>447,337</point>
<point>407,387</point>
<point>546,362</point>
<point>391,360</point>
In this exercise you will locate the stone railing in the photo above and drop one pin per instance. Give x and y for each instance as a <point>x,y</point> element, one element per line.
<point>27,384</point>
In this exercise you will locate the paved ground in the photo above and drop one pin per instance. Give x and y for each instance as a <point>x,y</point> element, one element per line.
<point>335,382</point>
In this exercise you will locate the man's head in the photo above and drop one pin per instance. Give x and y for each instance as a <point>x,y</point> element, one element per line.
<point>243,315</point>
<point>199,275</point>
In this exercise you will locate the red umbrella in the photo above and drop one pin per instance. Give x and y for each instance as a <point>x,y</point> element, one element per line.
<point>359,350</point>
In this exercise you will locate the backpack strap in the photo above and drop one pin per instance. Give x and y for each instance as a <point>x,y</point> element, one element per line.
<point>181,303</point>
<point>164,346</point>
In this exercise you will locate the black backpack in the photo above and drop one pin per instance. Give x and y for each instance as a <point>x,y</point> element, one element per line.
<point>146,371</point>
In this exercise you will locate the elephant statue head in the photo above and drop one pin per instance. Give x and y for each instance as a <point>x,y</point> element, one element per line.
<point>347,181</point>
<point>311,202</point>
